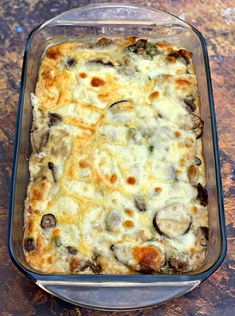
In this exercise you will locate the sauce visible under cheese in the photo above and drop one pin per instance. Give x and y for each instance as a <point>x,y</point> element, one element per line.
<point>116,131</point>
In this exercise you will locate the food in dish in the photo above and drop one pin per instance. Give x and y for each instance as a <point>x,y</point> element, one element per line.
<point>117,174</point>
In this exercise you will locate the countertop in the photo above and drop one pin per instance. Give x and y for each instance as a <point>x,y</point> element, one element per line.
<point>216,21</point>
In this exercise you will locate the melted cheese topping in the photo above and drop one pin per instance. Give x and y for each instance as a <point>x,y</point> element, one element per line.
<point>113,179</point>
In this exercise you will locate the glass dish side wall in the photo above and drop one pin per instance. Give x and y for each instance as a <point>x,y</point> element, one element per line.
<point>87,24</point>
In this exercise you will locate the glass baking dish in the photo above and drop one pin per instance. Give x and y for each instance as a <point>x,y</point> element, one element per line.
<point>87,24</point>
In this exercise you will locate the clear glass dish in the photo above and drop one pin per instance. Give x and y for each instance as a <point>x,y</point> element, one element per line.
<point>86,24</point>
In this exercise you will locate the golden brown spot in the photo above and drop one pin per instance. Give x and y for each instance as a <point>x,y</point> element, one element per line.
<point>97,82</point>
<point>192,250</point>
<point>74,264</point>
<point>158,189</point>
<point>194,209</point>
<point>177,134</point>
<point>164,45</point>
<point>104,41</point>
<point>188,145</point>
<point>154,95</point>
<point>39,242</point>
<point>44,185</point>
<point>126,61</point>
<point>171,59</point>
<point>48,78</point>
<point>113,178</point>
<point>178,171</point>
<point>36,195</point>
<point>30,225</point>
<point>192,171</point>
<point>83,164</point>
<point>53,53</point>
<point>131,39</point>
<point>50,260</point>
<point>56,232</point>
<point>128,224</point>
<point>149,258</point>
<point>83,75</point>
<point>182,162</point>
<point>169,49</point>
<point>180,71</point>
<point>131,180</point>
<point>182,82</point>
<point>129,212</point>
<point>102,262</point>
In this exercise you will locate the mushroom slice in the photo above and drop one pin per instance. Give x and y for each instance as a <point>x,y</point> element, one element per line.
<point>145,258</point>
<point>183,54</point>
<point>191,106</point>
<point>29,244</point>
<point>197,161</point>
<point>117,102</point>
<point>198,125</point>
<point>52,167</point>
<point>202,234</point>
<point>54,119</point>
<point>178,265</point>
<point>113,221</point>
<point>172,221</point>
<point>202,195</point>
<point>144,48</point>
<point>140,204</point>
<point>48,221</point>
<point>102,62</point>
<point>72,250</point>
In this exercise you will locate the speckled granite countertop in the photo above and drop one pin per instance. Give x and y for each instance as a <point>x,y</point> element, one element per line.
<point>216,21</point>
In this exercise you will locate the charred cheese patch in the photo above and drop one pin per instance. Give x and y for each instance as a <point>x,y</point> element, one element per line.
<point>117,175</point>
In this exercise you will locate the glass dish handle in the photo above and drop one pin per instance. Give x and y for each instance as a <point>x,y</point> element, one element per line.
<point>114,13</point>
<point>113,296</point>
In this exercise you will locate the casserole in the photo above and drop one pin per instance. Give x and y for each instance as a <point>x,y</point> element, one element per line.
<point>88,24</point>
<point>88,208</point>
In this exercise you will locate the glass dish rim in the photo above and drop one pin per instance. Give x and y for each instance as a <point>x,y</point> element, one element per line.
<point>116,278</point>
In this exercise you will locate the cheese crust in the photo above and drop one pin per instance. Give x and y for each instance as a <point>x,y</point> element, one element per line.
<point>117,174</point>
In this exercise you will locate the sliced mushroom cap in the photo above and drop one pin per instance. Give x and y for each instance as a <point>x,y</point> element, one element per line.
<point>191,106</point>
<point>117,102</point>
<point>144,258</point>
<point>45,138</point>
<point>72,250</point>
<point>202,195</point>
<point>182,53</point>
<point>198,125</point>
<point>202,234</point>
<point>172,221</point>
<point>29,244</point>
<point>70,63</point>
<point>48,221</point>
<point>177,265</point>
<point>140,204</point>
<point>54,119</point>
<point>144,48</point>
<point>52,167</point>
<point>113,221</point>
<point>102,62</point>
<point>198,161</point>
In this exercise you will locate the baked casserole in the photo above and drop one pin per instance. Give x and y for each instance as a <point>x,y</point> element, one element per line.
<point>117,174</point>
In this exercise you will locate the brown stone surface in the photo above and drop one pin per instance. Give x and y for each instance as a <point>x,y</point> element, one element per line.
<point>216,21</point>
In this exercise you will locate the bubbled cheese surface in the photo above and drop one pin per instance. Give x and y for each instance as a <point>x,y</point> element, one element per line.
<point>108,155</point>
